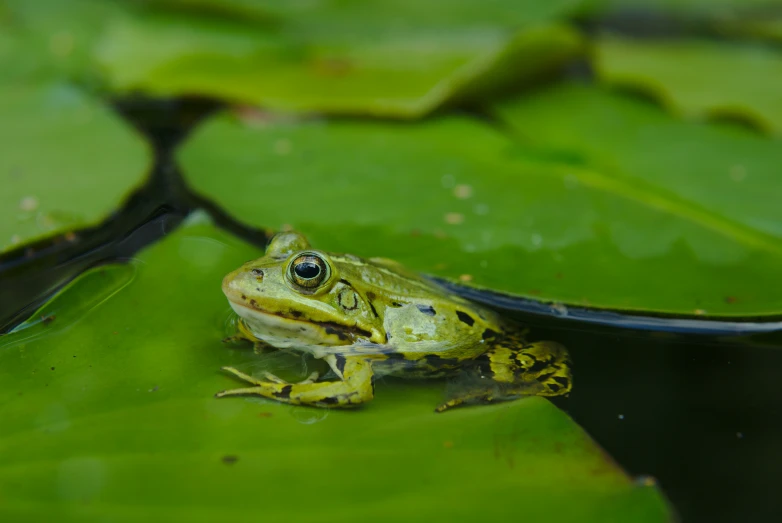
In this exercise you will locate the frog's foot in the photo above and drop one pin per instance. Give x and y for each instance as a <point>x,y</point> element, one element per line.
<point>546,364</point>
<point>468,397</point>
<point>312,378</point>
<point>534,369</point>
<point>269,377</point>
<point>354,388</point>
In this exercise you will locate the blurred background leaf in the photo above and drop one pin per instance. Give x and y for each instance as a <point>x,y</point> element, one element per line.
<point>399,59</point>
<point>68,161</point>
<point>698,78</point>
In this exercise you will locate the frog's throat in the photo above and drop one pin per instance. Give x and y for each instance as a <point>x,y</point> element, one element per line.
<point>283,332</point>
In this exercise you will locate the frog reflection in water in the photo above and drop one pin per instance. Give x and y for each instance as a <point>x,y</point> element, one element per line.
<point>370,317</point>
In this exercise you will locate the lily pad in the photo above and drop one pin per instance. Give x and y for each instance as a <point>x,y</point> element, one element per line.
<point>107,404</point>
<point>690,8</point>
<point>358,14</point>
<point>348,61</point>
<point>698,78</point>
<point>689,233</point>
<point>703,199</point>
<point>767,27</point>
<point>68,161</point>
<point>50,40</point>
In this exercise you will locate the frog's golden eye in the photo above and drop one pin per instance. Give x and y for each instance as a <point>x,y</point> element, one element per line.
<point>308,270</point>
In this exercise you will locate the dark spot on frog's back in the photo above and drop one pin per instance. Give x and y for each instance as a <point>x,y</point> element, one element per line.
<point>341,361</point>
<point>465,318</point>
<point>427,309</point>
<point>296,314</point>
<point>538,366</point>
<point>284,392</point>
<point>489,334</point>
<point>254,303</point>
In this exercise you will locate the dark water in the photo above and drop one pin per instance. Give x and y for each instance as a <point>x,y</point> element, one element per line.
<point>703,417</point>
<point>701,412</point>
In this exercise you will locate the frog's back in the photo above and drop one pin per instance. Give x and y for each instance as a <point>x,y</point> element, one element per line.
<point>467,347</point>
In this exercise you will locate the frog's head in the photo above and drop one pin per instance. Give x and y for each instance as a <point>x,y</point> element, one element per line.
<point>295,294</point>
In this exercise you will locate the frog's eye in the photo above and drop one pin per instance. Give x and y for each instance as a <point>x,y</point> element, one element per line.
<point>308,270</point>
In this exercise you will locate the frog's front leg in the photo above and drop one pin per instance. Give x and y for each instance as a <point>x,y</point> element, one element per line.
<point>354,388</point>
<point>243,336</point>
<point>534,369</point>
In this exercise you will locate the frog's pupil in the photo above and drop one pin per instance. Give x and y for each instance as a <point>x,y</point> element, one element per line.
<point>307,270</point>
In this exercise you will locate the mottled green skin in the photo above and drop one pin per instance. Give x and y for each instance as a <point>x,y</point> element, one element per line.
<point>372,316</point>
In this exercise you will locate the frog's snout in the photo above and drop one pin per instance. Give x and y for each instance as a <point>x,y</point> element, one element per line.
<point>229,283</point>
<point>236,283</point>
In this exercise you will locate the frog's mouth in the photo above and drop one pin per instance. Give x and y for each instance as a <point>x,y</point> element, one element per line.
<point>283,331</point>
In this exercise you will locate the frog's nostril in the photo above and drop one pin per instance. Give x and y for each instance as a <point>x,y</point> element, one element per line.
<point>257,273</point>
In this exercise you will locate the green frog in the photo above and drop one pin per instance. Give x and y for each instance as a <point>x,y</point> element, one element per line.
<point>372,317</point>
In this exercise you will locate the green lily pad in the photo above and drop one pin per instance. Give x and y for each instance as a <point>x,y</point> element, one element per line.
<point>767,27</point>
<point>695,230</point>
<point>689,8</point>
<point>698,78</point>
<point>361,15</point>
<point>700,201</point>
<point>68,162</point>
<point>50,40</point>
<point>108,413</point>
<point>353,60</point>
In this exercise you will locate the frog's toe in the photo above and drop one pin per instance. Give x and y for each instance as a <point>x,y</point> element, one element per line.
<point>241,375</point>
<point>312,378</point>
<point>274,379</point>
<point>239,392</point>
<point>455,402</point>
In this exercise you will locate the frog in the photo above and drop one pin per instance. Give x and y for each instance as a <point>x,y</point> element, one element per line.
<point>373,317</point>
